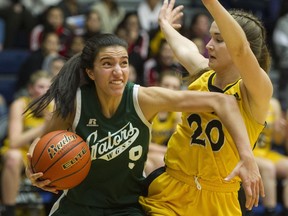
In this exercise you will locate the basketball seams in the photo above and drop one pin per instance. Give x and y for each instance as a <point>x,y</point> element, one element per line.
<point>63,155</point>
<point>43,149</point>
<point>71,174</point>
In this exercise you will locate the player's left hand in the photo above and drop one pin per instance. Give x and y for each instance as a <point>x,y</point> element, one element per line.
<point>252,183</point>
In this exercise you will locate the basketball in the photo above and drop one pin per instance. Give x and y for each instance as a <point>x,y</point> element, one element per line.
<point>63,157</point>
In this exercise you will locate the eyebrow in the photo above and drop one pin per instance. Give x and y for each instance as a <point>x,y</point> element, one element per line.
<point>108,57</point>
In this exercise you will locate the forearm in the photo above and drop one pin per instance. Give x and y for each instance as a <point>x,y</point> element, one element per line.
<point>229,113</point>
<point>26,137</point>
<point>227,26</point>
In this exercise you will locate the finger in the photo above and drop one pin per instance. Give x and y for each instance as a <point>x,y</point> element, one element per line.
<point>171,4</point>
<point>248,195</point>
<point>262,189</point>
<point>231,175</point>
<point>177,18</point>
<point>29,158</point>
<point>257,194</point>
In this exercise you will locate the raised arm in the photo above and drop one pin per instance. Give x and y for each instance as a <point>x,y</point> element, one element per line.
<point>240,48</point>
<point>184,49</point>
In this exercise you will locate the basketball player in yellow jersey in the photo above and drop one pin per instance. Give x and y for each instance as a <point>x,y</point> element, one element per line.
<point>163,125</point>
<point>204,167</point>
<point>272,164</point>
<point>22,130</point>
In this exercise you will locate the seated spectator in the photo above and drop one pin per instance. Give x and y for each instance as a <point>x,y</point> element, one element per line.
<point>148,12</point>
<point>163,60</point>
<point>111,14</point>
<point>37,60</point>
<point>55,65</point>
<point>280,45</point>
<point>92,24</point>
<point>163,125</point>
<point>22,130</point>
<point>272,164</point>
<point>138,42</point>
<point>53,21</point>
<point>18,23</point>
<point>199,30</point>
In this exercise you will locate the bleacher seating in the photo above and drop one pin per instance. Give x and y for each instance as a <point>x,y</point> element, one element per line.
<point>10,62</point>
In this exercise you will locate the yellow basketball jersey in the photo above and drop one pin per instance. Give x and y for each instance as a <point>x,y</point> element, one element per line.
<point>265,138</point>
<point>162,129</point>
<point>29,121</point>
<point>202,146</point>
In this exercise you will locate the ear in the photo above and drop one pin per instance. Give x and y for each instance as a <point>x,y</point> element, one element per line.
<point>90,73</point>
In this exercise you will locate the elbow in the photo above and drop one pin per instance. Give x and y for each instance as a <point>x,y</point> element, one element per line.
<point>227,103</point>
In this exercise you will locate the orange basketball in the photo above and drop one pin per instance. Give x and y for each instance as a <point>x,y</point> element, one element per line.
<point>63,157</point>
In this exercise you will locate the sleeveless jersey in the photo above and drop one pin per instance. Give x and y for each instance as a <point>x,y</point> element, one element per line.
<point>119,147</point>
<point>162,129</point>
<point>29,121</point>
<point>264,143</point>
<point>202,146</point>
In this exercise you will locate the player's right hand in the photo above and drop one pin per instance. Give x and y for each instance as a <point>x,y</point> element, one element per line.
<point>35,178</point>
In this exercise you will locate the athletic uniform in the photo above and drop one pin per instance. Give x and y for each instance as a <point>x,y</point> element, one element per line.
<point>119,147</point>
<point>264,143</point>
<point>29,121</point>
<point>162,129</point>
<point>201,153</point>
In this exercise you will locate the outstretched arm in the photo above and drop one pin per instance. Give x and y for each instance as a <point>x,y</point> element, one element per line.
<point>155,99</point>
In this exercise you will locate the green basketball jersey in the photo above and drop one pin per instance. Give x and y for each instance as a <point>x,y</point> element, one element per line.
<point>118,145</point>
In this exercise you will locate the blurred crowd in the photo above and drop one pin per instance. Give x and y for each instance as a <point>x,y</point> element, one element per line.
<point>52,31</point>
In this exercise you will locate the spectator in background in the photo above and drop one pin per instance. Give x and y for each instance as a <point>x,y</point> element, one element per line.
<point>55,65</point>
<point>37,60</point>
<point>22,130</point>
<point>163,60</point>
<point>138,42</point>
<point>75,46</point>
<point>53,21</point>
<point>148,11</point>
<point>163,125</point>
<point>70,8</point>
<point>272,164</point>
<point>111,14</point>
<point>198,31</point>
<point>92,24</point>
<point>18,23</point>
<point>280,45</point>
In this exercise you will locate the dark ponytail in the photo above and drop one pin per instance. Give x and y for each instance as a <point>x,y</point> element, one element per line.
<point>62,91</point>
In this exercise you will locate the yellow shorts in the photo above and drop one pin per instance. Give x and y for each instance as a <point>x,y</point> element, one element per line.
<point>23,150</point>
<point>170,194</point>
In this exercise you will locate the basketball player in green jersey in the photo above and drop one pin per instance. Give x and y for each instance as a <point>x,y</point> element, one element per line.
<point>94,99</point>
<point>201,156</point>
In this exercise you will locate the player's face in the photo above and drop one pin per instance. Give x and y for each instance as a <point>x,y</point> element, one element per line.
<point>219,57</point>
<point>111,71</point>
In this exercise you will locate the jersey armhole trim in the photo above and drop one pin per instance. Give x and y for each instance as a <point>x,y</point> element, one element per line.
<point>78,110</point>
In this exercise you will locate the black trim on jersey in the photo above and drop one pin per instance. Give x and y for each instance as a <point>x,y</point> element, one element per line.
<point>150,178</point>
<point>213,88</point>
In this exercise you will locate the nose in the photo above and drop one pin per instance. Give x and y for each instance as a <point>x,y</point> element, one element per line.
<point>117,69</point>
<point>209,45</point>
